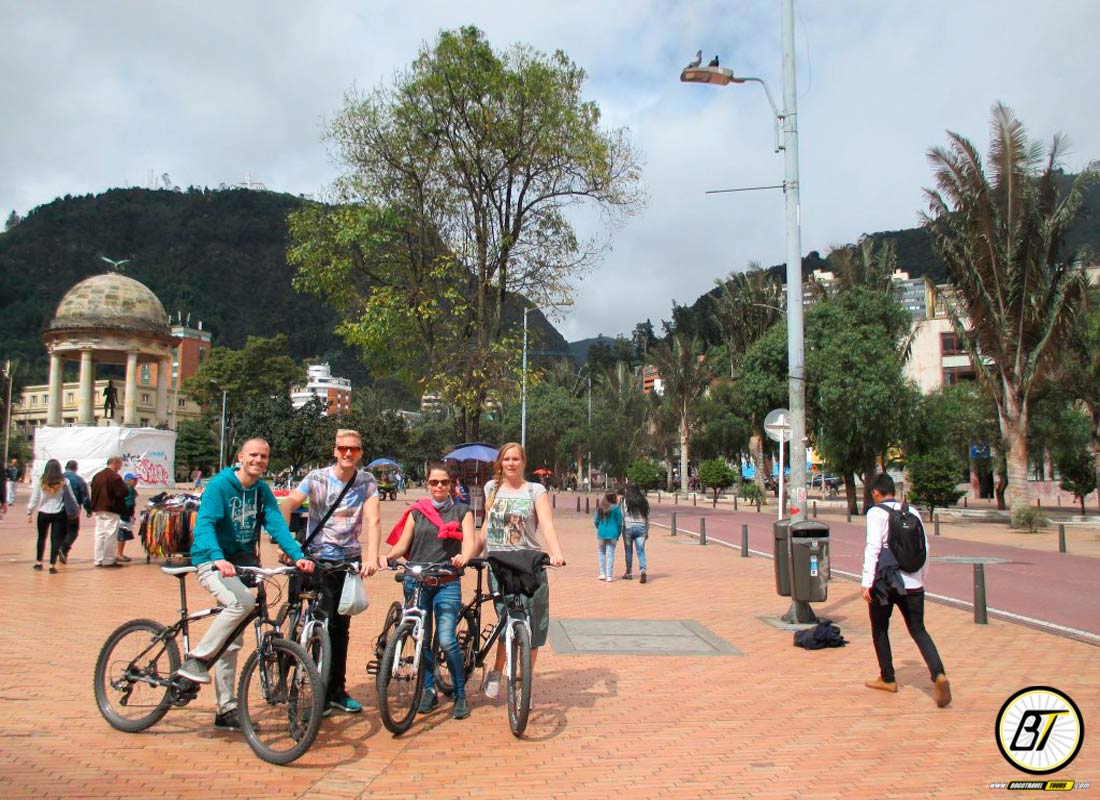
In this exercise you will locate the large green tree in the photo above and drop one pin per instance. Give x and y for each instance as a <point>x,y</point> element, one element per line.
<point>458,181</point>
<point>1001,227</point>
<point>747,304</point>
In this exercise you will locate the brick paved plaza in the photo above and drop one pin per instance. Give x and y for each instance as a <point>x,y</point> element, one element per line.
<point>766,721</point>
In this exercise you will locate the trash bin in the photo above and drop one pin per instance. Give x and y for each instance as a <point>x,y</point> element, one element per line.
<point>782,556</point>
<point>809,561</point>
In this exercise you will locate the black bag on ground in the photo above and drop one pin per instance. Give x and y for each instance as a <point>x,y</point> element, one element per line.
<point>906,537</point>
<point>822,635</point>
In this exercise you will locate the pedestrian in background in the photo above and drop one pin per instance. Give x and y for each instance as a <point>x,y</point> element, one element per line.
<point>54,501</point>
<point>608,520</point>
<point>882,589</point>
<point>126,518</point>
<point>635,530</point>
<point>83,500</point>
<point>14,473</point>
<point>108,504</point>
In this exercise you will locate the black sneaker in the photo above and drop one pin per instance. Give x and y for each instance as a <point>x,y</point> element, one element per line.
<point>229,721</point>
<point>428,702</point>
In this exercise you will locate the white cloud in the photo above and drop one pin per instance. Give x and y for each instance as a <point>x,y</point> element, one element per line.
<point>97,94</point>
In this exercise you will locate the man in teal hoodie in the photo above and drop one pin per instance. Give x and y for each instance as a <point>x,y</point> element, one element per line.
<point>227,531</point>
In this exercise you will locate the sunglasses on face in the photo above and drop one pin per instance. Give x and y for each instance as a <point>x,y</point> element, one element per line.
<point>444,482</point>
<point>344,450</point>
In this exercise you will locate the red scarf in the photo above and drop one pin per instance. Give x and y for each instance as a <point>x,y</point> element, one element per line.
<point>447,530</point>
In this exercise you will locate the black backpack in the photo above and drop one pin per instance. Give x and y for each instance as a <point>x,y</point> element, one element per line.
<point>906,537</point>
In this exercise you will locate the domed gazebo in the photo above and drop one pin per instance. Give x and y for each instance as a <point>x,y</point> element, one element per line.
<point>109,319</point>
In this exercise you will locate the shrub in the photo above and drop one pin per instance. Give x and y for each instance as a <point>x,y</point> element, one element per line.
<point>751,492</point>
<point>1030,518</point>
<point>647,474</point>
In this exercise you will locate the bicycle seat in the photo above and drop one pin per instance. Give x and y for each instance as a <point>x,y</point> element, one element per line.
<point>178,570</point>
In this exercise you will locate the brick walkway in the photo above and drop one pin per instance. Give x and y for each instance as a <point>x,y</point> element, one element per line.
<point>775,722</point>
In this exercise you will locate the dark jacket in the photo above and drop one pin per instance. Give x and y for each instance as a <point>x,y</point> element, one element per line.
<point>518,570</point>
<point>80,490</point>
<point>887,577</point>
<point>109,492</point>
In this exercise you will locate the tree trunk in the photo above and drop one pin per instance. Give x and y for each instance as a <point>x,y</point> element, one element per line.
<point>684,448</point>
<point>1013,419</point>
<point>870,472</point>
<point>756,449</point>
<point>850,492</point>
<point>668,469</point>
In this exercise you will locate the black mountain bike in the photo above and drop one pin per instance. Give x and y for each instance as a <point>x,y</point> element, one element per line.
<point>476,643</point>
<point>280,698</point>
<point>307,623</point>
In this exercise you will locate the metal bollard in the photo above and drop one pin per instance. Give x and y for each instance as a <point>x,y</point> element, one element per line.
<point>586,509</point>
<point>675,499</point>
<point>936,522</point>
<point>964,502</point>
<point>759,503</point>
<point>578,504</point>
<point>1038,502</point>
<point>553,501</point>
<point>658,497</point>
<point>694,499</point>
<point>815,509</point>
<point>744,540</point>
<point>980,616</point>
<point>673,531</point>
<point>735,502</point>
<point>1061,537</point>
<point>848,515</point>
<point>702,530</point>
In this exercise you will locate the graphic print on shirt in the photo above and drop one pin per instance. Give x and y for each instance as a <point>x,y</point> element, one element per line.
<point>243,515</point>
<point>508,521</point>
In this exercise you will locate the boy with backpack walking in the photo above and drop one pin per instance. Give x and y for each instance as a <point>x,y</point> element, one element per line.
<point>895,560</point>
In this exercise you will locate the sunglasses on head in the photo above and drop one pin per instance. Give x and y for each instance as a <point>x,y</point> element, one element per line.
<point>443,482</point>
<point>344,449</point>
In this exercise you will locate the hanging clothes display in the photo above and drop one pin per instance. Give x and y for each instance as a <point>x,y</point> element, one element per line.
<point>166,525</point>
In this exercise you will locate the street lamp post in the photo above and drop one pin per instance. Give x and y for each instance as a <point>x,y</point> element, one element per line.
<point>221,438</point>
<point>786,121</point>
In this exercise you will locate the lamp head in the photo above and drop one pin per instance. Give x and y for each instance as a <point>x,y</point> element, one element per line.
<point>720,76</point>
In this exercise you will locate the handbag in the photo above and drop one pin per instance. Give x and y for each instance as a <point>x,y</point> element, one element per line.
<point>353,598</point>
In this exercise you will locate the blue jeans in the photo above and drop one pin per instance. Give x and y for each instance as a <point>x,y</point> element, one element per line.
<point>441,603</point>
<point>607,555</point>
<point>637,539</point>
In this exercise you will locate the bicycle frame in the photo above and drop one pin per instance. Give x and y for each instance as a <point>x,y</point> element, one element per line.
<point>515,614</point>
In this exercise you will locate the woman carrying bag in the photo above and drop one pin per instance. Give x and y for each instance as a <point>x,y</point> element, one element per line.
<point>56,503</point>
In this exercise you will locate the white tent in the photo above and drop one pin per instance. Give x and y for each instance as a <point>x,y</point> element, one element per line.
<point>149,453</point>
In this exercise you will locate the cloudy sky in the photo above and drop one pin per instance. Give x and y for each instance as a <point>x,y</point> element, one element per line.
<point>102,94</point>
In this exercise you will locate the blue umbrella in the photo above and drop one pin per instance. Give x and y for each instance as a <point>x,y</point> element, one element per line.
<point>383,462</point>
<point>474,451</point>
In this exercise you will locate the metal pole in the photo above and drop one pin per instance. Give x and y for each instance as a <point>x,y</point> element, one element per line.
<point>936,520</point>
<point>523,390</point>
<point>7,417</point>
<point>795,354</point>
<point>779,510</point>
<point>221,440</point>
<point>980,616</point>
<point>1061,536</point>
<point>702,530</point>
<point>744,540</point>
<point>673,530</point>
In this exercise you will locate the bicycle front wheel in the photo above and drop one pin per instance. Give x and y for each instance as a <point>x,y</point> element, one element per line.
<point>315,640</point>
<point>132,675</point>
<point>280,701</point>
<point>519,680</point>
<point>393,617</point>
<point>399,683</point>
<point>467,646</point>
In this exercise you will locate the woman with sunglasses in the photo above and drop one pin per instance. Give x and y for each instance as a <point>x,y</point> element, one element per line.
<point>437,529</point>
<point>518,516</point>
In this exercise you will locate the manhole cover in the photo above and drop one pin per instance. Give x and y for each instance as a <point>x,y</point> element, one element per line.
<point>970,559</point>
<point>656,637</point>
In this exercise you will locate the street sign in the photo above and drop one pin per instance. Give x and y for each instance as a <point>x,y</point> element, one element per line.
<point>778,425</point>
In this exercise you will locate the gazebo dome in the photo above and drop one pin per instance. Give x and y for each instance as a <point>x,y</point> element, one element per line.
<point>114,302</point>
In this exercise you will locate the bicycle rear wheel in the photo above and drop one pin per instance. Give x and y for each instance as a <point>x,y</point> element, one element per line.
<point>399,684</point>
<point>314,638</point>
<point>393,616</point>
<point>467,646</point>
<point>280,701</point>
<point>132,675</point>
<point>519,680</point>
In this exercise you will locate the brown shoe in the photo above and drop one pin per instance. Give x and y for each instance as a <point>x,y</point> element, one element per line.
<point>642,579</point>
<point>883,686</point>
<point>941,690</point>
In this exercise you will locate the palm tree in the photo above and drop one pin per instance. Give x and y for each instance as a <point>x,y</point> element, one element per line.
<point>685,374</point>
<point>748,304</point>
<point>1001,228</point>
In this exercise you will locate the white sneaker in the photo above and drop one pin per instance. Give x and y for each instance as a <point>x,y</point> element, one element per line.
<point>491,687</point>
<point>602,577</point>
<point>609,579</point>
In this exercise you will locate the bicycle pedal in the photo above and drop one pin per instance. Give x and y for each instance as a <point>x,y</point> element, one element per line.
<point>372,667</point>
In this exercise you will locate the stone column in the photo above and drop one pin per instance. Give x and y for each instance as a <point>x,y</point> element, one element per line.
<point>129,413</point>
<point>164,369</point>
<point>53,412</point>
<point>86,408</point>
